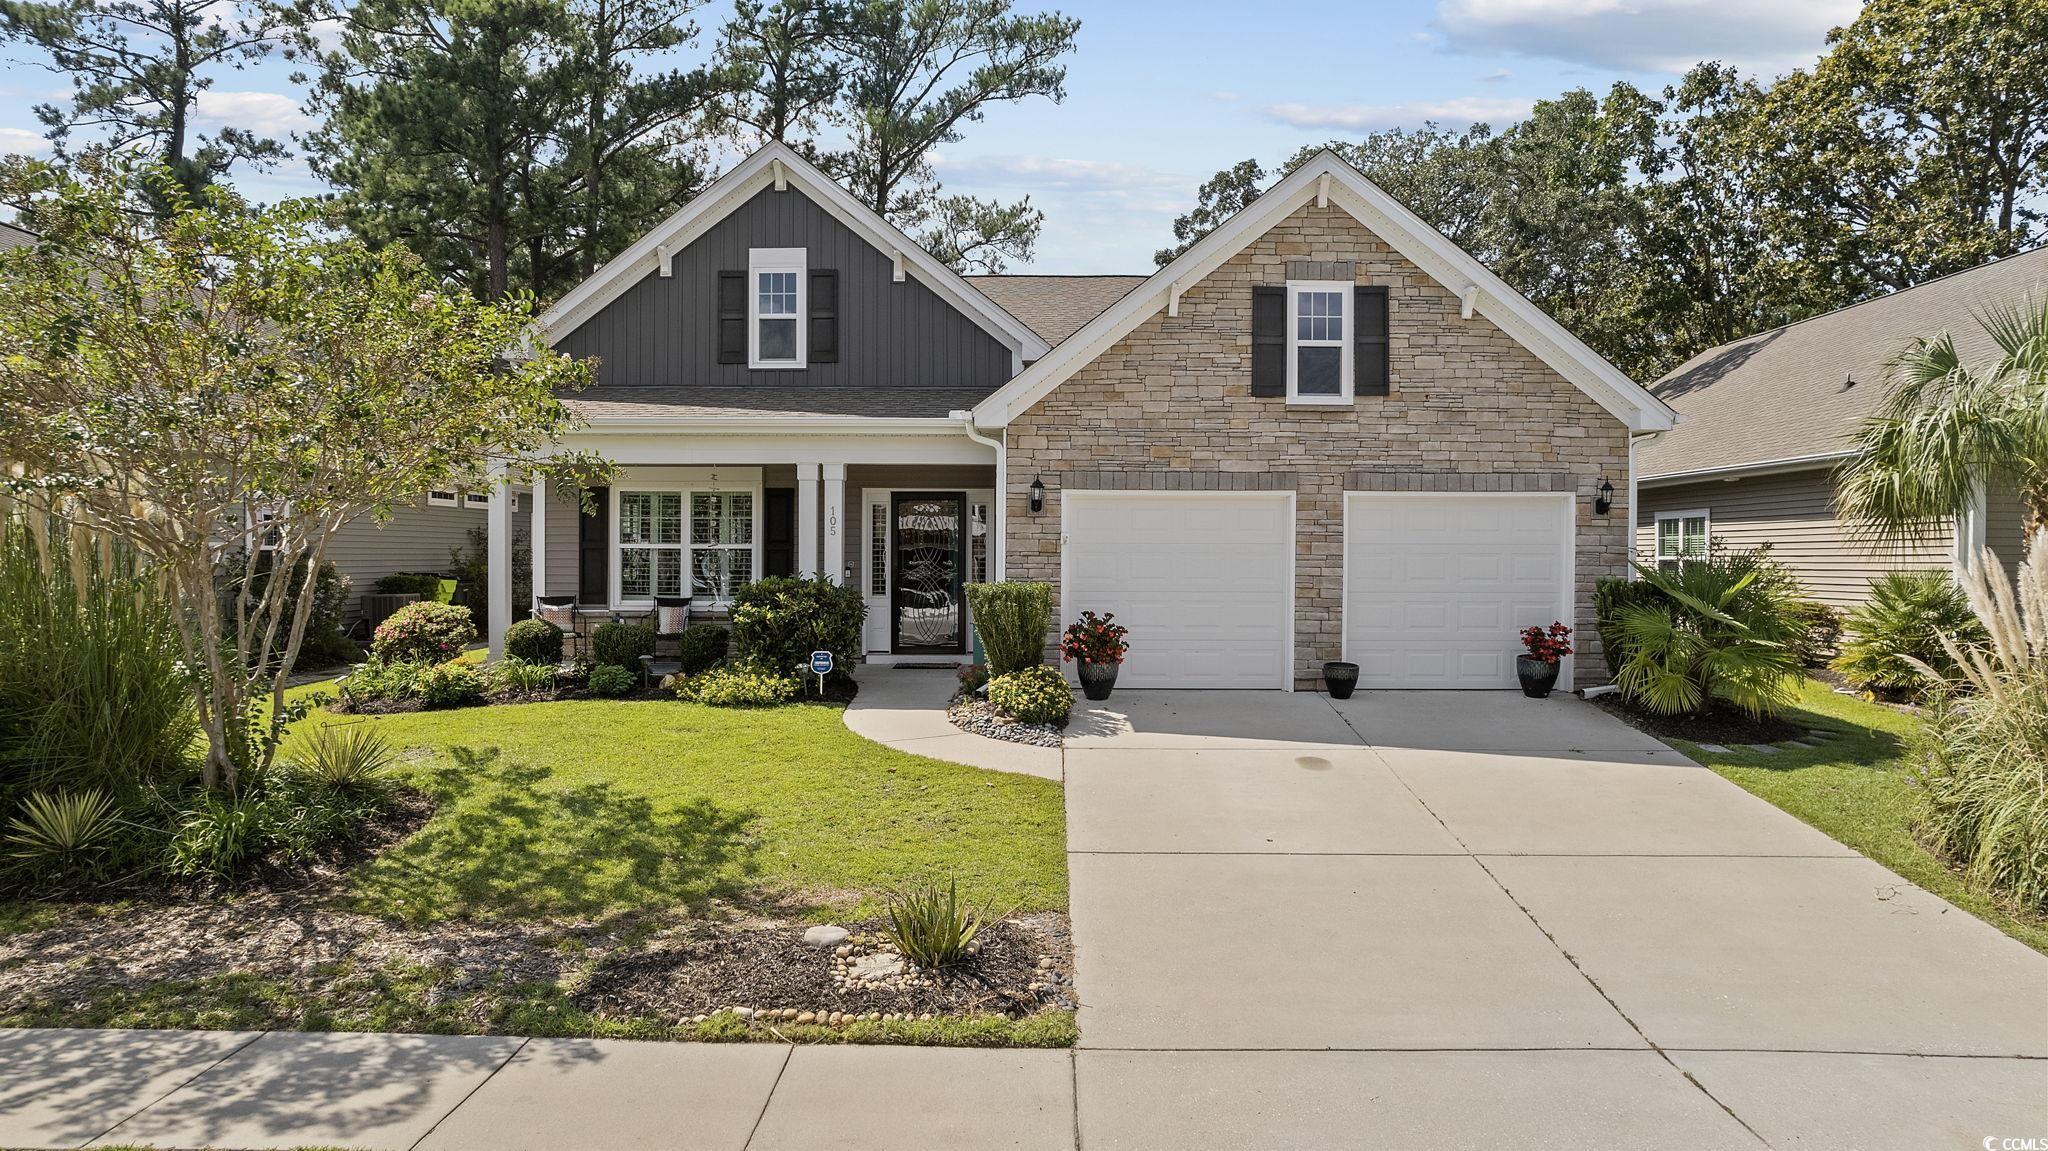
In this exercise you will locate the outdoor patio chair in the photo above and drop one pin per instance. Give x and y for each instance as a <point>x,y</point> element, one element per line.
<point>671,618</point>
<point>560,610</point>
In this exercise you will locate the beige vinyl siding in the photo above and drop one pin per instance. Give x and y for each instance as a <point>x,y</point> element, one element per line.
<point>415,539</point>
<point>1794,514</point>
<point>2005,527</point>
<point>560,522</point>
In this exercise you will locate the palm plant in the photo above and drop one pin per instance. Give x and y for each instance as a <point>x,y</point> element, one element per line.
<point>1729,630</point>
<point>1900,630</point>
<point>1947,428</point>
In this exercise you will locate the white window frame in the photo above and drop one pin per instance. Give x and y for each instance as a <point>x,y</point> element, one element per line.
<point>1346,337</point>
<point>690,545</point>
<point>620,547</point>
<point>1705,516</point>
<point>448,499</point>
<point>760,260</point>
<point>685,483</point>
<point>266,536</point>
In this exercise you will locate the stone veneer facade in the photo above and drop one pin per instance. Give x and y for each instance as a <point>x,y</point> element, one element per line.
<point>1170,407</point>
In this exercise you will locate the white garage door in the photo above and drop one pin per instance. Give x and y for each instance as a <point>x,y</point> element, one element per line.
<point>1437,586</point>
<point>1203,580</point>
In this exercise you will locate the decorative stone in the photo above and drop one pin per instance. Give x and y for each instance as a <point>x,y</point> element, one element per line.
<point>871,967</point>
<point>824,935</point>
<point>806,1017</point>
<point>743,1012</point>
<point>1761,748</point>
<point>1713,749</point>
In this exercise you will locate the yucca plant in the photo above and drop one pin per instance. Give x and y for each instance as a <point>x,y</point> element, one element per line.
<point>63,833</point>
<point>1728,631</point>
<point>1898,631</point>
<point>932,928</point>
<point>350,757</point>
<point>1982,758</point>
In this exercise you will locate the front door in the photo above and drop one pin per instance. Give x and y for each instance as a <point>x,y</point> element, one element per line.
<point>928,612</point>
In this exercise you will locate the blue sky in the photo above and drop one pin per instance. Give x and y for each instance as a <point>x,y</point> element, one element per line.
<point>1162,95</point>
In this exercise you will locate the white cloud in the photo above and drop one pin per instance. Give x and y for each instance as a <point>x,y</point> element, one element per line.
<point>1497,76</point>
<point>1452,113</point>
<point>264,113</point>
<point>22,142</point>
<point>1767,36</point>
<point>1032,172</point>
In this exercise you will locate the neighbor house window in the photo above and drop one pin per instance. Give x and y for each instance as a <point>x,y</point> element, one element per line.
<point>267,534</point>
<point>775,303</point>
<point>721,543</point>
<point>442,500</point>
<point>650,544</point>
<point>1318,342</point>
<point>1681,536</point>
<point>476,499</point>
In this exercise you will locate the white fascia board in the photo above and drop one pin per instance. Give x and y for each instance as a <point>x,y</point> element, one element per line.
<point>735,188</point>
<point>773,425</point>
<point>1402,230</point>
<point>1754,468</point>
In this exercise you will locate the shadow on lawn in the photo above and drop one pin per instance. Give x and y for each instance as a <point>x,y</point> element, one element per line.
<point>501,846</point>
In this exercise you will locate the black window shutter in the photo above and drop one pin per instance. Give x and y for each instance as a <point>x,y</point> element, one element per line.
<point>1372,362</point>
<point>594,551</point>
<point>1269,340</point>
<point>732,317</point>
<point>824,304</point>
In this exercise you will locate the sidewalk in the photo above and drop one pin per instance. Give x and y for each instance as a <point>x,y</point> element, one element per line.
<point>906,709</point>
<point>191,1089</point>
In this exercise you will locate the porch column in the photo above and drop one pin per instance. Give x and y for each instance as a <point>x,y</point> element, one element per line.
<point>834,564</point>
<point>498,558</point>
<point>807,520</point>
<point>539,496</point>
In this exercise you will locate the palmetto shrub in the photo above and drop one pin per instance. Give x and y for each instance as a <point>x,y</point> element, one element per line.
<point>423,632</point>
<point>932,928</point>
<point>1610,596</point>
<point>1727,631</point>
<point>1012,619</point>
<point>1982,758</point>
<point>1898,632</point>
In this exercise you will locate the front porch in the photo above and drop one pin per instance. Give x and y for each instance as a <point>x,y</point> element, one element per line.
<point>698,517</point>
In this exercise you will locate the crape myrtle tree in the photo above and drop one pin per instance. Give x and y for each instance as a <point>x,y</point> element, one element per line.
<point>192,382</point>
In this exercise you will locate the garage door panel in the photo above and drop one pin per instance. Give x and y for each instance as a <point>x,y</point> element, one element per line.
<point>1203,582</point>
<point>1438,585</point>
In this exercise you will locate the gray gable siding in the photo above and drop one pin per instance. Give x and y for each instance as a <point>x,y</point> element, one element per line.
<point>663,332</point>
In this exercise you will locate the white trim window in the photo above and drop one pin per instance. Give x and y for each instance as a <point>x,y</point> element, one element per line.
<point>650,545</point>
<point>1682,536</point>
<point>777,288</point>
<point>721,544</point>
<point>443,500</point>
<point>1319,369</point>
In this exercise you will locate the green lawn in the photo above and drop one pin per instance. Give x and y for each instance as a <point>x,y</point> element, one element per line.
<point>1855,788</point>
<point>582,809</point>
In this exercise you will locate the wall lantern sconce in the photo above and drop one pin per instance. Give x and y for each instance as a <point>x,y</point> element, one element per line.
<point>1037,496</point>
<point>1603,500</point>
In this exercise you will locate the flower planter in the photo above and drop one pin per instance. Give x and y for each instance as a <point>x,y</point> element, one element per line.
<point>1538,676</point>
<point>1096,678</point>
<point>1340,678</point>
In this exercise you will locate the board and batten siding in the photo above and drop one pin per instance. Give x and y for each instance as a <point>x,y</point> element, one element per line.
<point>1793,512</point>
<point>663,331</point>
<point>417,538</point>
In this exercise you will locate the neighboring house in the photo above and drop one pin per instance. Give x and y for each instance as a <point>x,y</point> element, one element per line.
<point>1765,421</point>
<point>1323,432</point>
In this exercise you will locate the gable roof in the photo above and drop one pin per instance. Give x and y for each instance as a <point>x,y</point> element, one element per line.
<point>1055,306</point>
<point>1327,178</point>
<point>776,163</point>
<point>1784,395</point>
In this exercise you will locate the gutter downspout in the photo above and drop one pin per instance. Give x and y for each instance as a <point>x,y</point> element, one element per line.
<point>1002,513</point>
<point>1634,515</point>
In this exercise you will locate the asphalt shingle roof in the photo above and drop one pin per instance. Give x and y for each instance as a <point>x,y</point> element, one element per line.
<point>1785,394</point>
<point>1055,307</point>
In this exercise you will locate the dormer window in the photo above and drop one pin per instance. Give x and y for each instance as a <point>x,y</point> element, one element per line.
<point>775,304</point>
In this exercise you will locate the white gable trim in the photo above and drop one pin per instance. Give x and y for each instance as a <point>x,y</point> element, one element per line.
<point>1330,179</point>
<point>777,165</point>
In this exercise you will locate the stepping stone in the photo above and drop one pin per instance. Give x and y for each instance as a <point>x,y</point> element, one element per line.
<point>1817,733</point>
<point>824,935</point>
<point>1712,748</point>
<point>1760,748</point>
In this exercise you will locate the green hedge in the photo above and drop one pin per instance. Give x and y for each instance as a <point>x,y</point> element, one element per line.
<point>1013,620</point>
<point>778,622</point>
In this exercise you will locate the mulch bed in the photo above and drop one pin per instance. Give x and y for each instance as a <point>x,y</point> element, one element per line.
<point>1724,725</point>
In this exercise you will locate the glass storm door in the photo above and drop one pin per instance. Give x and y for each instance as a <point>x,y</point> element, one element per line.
<point>928,612</point>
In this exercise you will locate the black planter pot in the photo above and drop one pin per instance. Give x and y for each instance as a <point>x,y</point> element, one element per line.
<point>1097,678</point>
<point>1538,676</point>
<point>1340,678</point>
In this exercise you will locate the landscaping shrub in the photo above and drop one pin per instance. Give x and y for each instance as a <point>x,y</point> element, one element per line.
<point>375,682</point>
<point>610,680</point>
<point>351,757</point>
<point>973,677</point>
<point>1610,596</point>
<point>701,647</point>
<point>1012,620</point>
<point>451,684</point>
<point>1726,632</point>
<point>1821,631</point>
<point>512,676</point>
<point>535,641</point>
<point>283,815</point>
<point>1982,757</point>
<point>932,928</point>
<point>93,692</point>
<point>1038,694</point>
<point>778,622</point>
<point>621,644</point>
<point>425,585</point>
<point>220,835</point>
<point>740,685</point>
<point>423,632</point>
<point>64,836</point>
<point>1903,621</point>
<point>323,644</point>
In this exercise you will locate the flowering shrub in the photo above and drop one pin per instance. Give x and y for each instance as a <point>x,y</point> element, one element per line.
<point>450,685</point>
<point>1548,645</point>
<point>740,685</point>
<point>1038,694</point>
<point>423,632</point>
<point>1094,639</point>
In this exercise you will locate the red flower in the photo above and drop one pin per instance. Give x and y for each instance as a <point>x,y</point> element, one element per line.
<point>1549,645</point>
<point>1094,639</point>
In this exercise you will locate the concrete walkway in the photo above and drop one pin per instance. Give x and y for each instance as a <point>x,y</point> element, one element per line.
<point>1406,920</point>
<point>905,708</point>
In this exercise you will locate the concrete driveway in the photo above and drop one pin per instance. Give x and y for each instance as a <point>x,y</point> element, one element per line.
<point>1466,919</point>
